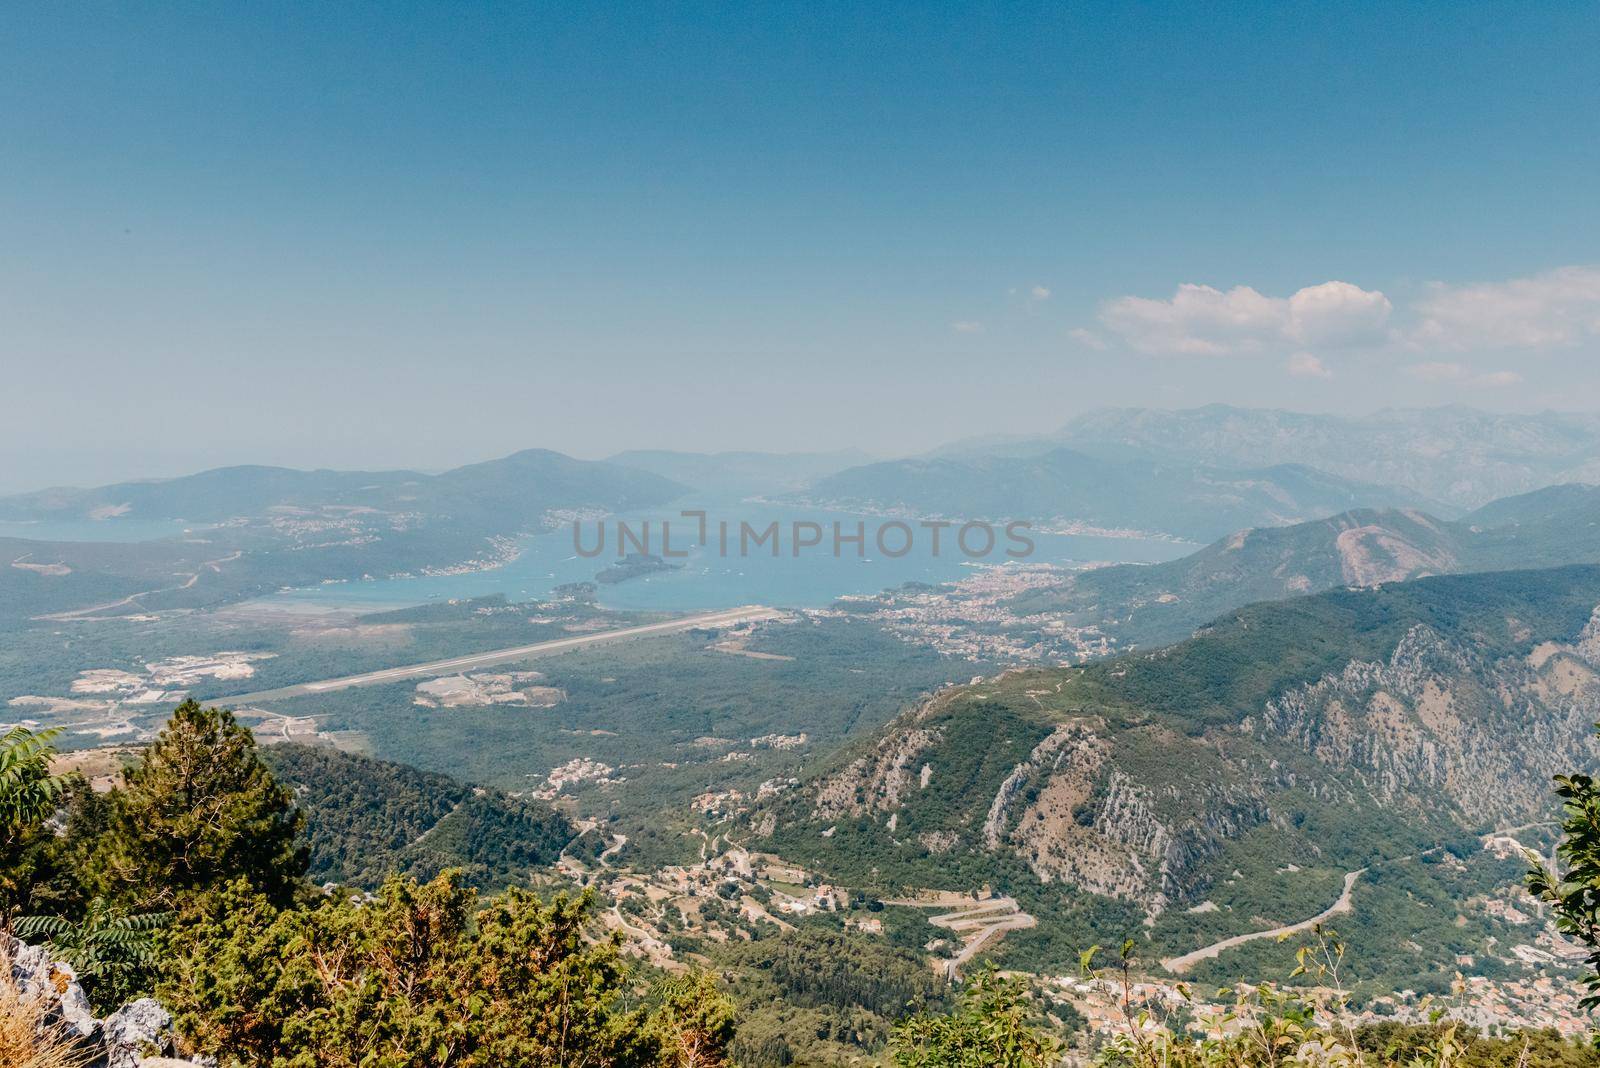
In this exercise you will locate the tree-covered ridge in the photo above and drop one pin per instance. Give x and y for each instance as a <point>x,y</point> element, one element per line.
<point>1144,606</point>
<point>1244,773</point>
<point>1242,659</point>
<point>814,995</point>
<point>366,819</point>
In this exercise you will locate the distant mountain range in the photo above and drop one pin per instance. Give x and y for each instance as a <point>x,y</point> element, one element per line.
<point>1150,605</point>
<point>741,473</point>
<point>502,494</point>
<point>1166,496</point>
<point>1197,474</point>
<point>270,527</point>
<point>1444,459</point>
<point>1460,456</point>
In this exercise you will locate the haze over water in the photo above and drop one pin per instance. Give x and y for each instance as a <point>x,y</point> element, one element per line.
<point>708,580</point>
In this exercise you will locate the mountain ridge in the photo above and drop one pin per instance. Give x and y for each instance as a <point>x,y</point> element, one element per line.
<point>1185,500</point>
<point>1461,455</point>
<point>222,493</point>
<point>1141,605</point>
<point>1329,732</point>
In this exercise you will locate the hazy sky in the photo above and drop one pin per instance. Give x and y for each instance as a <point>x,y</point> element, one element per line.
<point>349,235</point>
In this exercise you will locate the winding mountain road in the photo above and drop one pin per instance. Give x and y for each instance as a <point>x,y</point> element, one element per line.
<point>93,611</point>
<point>1179,965</point>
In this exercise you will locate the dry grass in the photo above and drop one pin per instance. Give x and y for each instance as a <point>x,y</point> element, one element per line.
<point>26,1040</point>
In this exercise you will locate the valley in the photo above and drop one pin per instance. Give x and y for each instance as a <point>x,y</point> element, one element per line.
<point>925,767</point>
<point>1161,789</point>
<point>458,665</point>
<point>799,535</point>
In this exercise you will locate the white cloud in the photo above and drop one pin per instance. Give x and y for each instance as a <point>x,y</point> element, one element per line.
<point>1087,338</point>
<point>1198,320</point>
<point>1202,321</point>
<point>1550,310</point>
<point>1039,293</point>
<point>1340,314</point>
<point>1559,307</point>
<point>967,326</point>
<point>1305,365</point>
<point>1441,371</point>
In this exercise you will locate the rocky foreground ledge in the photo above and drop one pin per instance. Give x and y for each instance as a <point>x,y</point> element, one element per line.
<point>138,1035</point>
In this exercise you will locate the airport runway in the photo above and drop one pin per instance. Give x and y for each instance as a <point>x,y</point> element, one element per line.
<point>727,617</point>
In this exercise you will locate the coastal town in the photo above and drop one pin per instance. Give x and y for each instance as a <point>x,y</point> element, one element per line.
<point>975,617</point>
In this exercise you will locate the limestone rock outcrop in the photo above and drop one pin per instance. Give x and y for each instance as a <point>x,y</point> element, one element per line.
<point>138,1035</point>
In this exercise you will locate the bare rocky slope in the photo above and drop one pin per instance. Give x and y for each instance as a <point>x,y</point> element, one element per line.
<point>1343,726</point>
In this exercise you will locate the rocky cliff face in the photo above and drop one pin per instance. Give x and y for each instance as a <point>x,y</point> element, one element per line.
<point>880,781</point>
<point>1440,722</point>
<point>138,1034</point>
<point>1446,730</point>
<point>1078,806</point>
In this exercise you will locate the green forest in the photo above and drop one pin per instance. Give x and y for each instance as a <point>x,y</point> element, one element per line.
<point>195,880</point>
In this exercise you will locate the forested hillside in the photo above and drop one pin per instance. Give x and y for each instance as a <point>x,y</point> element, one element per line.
<point>1329,733</point>
<point>367,819</point>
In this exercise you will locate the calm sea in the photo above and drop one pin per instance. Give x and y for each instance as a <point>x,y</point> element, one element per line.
<point>709,580</point>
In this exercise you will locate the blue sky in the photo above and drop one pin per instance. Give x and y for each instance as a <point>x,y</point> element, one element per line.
<point>395,235</point>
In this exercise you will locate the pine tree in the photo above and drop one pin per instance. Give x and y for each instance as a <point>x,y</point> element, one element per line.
<point>199,811</point>
<point>693,1022</point>
<point>420,976</point>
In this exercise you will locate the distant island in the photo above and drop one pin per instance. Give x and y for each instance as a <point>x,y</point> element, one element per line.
<point>635,565</point>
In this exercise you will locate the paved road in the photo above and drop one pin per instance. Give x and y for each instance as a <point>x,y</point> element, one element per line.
<point>1177,965</point>
<point>1181,964</point>
<point>133,598</point>
<point>725,618</point>
<point>977,923</point>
